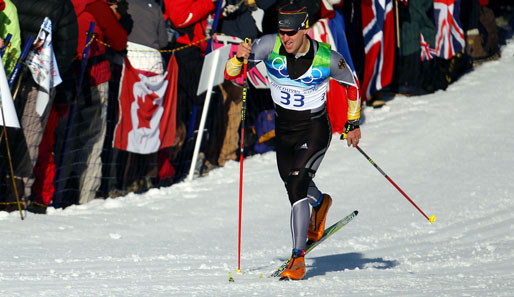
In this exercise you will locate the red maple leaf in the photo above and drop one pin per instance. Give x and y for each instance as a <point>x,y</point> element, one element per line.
<point>146,109</point>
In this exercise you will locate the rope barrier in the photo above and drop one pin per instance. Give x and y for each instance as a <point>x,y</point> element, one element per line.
<point>162,51</point>
<point>94,39</point>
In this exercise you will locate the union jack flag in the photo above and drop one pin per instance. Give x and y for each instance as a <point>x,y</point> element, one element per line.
<point>427,53</point>
<point>450,36</point>
<point>378,32</point>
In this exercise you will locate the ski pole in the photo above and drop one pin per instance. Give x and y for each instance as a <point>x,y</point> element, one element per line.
<point>241,158</point>
<point>431,219</point>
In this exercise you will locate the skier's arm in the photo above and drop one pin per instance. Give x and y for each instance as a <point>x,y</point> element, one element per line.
<point>342,74</point>
<point>256,51</point>
<point>234,65</point>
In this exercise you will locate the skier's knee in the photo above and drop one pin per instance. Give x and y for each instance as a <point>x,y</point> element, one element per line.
<point>297,183</point>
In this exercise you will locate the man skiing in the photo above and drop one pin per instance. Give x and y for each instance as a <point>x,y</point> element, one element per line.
<point>299,69</point>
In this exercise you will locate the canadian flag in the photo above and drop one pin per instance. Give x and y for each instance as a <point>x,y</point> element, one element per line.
<point>148,106</point>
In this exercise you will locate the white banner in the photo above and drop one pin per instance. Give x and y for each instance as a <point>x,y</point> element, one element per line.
<point>213,67</point>
<point>11,119</point>
<point>43,65</point>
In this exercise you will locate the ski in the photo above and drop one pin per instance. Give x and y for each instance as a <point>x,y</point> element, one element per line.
<point>311,245</point>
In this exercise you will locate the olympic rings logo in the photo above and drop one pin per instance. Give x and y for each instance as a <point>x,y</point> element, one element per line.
<point>281,66</point>
<point>312,77</point>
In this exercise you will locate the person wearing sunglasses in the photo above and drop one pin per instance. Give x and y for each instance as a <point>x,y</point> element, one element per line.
<point>299,70</point>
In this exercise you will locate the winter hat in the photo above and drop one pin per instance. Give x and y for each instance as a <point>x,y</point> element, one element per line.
<point>293,16</point>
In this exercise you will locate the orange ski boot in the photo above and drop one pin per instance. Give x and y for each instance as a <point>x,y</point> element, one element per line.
<point>318,219</point>
<point>296,268</point>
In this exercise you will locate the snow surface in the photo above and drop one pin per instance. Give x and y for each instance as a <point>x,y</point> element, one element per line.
<point>451,152</point>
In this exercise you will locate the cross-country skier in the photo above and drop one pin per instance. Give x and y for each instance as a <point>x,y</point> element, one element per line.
<point>299,69</point>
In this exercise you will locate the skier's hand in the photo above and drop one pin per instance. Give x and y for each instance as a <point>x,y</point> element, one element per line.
<point>352,132</point>
<point>243,50</point>
<point>353,137</point>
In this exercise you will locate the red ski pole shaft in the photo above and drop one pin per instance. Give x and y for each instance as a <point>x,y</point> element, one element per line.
<point>241,160</point>
<point>431,219</point>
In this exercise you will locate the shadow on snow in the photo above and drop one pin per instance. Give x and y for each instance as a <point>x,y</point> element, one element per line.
<point>322,265</point>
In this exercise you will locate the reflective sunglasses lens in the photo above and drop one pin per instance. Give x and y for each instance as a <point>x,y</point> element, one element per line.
<point>288,33</point>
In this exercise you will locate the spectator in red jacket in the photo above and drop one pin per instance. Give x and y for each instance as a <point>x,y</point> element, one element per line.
<point>189,18</point>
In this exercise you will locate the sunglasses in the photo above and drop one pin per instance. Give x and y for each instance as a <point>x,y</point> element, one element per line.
<point>288,33</point>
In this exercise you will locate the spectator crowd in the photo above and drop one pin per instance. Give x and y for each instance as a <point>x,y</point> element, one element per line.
<point>105,91</point>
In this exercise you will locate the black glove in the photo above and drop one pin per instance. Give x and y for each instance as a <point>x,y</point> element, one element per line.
<point>350,126</point>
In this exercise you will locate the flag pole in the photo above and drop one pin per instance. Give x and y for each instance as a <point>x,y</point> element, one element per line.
<point>205,110</point>
<point>397,21</point>
<point>23,55</point>
<point>10,160</point>
<point>5,88</point>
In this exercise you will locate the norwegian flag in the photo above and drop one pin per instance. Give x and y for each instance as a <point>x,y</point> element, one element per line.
<point>450,37</point>
<point>378,32</point>
<point>148,106</point>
